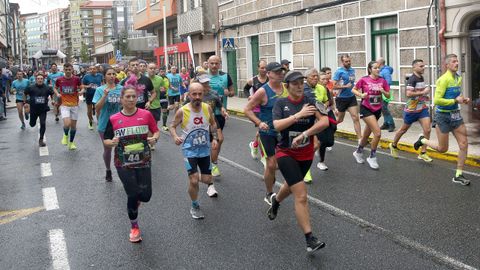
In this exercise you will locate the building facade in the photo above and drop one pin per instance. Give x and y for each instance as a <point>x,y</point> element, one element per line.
<point>4,9</point>
<point>97,23</point>
<point>65,33</point>
<point>54,40</point>
<point>36,26</point>
<point>199,20</point>
<point>149,17</point>
<point>75,28</point>
<point>316,33</point>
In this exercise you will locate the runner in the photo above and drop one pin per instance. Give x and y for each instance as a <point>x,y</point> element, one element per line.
<point>175,81</point>
<point>297,120</point>
<point>37,95</point>
<point>448,118</point>
<point>343,81</point>
<point>265,97</point>
<point>197,122</point>
<point>153,103</point>
<point>142,83</point>
<point>90,82</point>
<point>130,131</point>
<point>370,89</point>
<point>51,79</point>
<point>250,89</point>
<point>330,86</point>
<point>19,85</point>
<point>67,89</point>
<point>107,103</point>
<point>164,98</point>
<point>325,137</point>
<point>415,110</point>
<point>185,81</point>
<point>219,82</point>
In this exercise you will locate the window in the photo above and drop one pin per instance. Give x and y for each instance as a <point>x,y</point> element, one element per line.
<point>141,4</point>
<point>385,42</point>
<point>184,6</point>
<point>285,38</point>
<point>98,21</point>
<point>98,30</point>
<point>98,39</point>
<point>97,12</point>
<point>327,46</point>
<point>195,3</point>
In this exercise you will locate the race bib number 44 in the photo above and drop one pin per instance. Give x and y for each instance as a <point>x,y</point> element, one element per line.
<point>133,154</point>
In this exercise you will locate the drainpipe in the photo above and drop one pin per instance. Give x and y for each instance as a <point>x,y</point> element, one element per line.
<point>430,73</point>
<point>441,33</point>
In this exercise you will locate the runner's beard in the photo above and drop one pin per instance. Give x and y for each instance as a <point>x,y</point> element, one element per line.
<point>197,103</point>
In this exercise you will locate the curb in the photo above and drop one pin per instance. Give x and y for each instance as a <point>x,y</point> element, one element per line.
<point>406,147</point>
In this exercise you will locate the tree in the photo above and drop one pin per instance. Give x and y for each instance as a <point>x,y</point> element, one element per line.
<point>84,53</point>
<point>122,43</point>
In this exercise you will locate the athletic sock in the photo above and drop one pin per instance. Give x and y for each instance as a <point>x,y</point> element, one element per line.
<point>72,134</point>
<point>195,204</point>
<point>423,153</point>
<point>164,119</point>
<point>209,184</point>
<point>458,172</point>
<point>134,223</point>
<point>394,146</point>
<point>308,236</point>
<point>424,140</point>
<point>65,131</point>
<point>373,153</point>
<point>360,149</point>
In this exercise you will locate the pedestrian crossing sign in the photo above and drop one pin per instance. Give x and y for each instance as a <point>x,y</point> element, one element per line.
<point>228,44</point>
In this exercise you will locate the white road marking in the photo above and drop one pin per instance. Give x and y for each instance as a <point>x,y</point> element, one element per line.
<point>58,250</point>
<point>43,151</point>
<point>50,201</point>
<point>45,169</point>
<point>397,238</point>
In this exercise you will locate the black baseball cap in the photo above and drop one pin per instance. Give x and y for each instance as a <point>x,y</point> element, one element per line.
<point>285,62</point>
<point>274,66</point>
<point>293,76</point>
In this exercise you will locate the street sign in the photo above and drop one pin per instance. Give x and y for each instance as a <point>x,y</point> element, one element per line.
<point>228,44</point>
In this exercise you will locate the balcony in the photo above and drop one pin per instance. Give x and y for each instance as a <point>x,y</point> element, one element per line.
<point>152,15</point>
<point>191,22</point>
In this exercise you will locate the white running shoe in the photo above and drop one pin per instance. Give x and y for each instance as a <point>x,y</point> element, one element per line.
<point>211,191</point>
<point>253,151</point>
<point>322,166</point>
<point>359,157</point>
<point>372,161</point>
<point>329,149</point>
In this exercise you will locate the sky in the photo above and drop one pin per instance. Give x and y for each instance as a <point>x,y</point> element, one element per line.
<point>39,6</point>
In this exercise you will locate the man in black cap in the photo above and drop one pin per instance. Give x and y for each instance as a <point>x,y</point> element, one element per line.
<point>265,97</point>
<point>286,65</point>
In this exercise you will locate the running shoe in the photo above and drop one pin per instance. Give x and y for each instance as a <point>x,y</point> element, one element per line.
<point>372,161</point>
<point>268,198</point>
<point>253,150</point>
<point>418,143</point>
<point>393,150</point>
<point>314,244</point>
<point>90,125</point>
<point>165,128</point>
<point>135,235</point>
<point>72,146</point>
<point>27,116</point>
<point>322,166</point>
<point>152,147</point>
<point>273,210</point>
<point>41,143</point>
<point>461,180</point>
<point>23,126</point>
<point>196,213</point>
<point>65,139</point>
<point>308,177</point>
<point>329,149</point>
<point>108,176</point>
<point>211,191</point>
<point>425,157</point>
<point>359,157</point>
<point>215,170</point>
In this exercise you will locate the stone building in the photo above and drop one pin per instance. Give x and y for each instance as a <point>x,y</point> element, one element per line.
<point>314,33</point>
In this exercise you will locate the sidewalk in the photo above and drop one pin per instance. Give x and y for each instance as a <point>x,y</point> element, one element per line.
<point>346,130</point>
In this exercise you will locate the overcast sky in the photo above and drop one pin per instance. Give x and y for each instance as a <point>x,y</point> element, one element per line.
<point>39,6</point>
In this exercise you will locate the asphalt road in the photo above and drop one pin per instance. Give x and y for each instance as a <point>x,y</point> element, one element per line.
<point>407,215</point>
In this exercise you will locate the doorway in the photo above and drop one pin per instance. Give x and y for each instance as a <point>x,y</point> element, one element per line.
<point>232,67</point>
<point>474,33</point>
